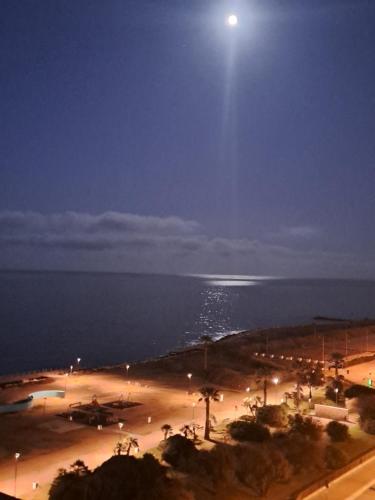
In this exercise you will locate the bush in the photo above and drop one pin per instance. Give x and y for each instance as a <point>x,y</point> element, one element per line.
<point>179,451</point>
<point>301,452</point>
<point>368,425</point>
<point>334,458</point>
<point>258,467</point>
<point>366,410</point>
<point>305,426</point>
<point>273,415</point>
<point>356,390</point>
<point>241,430</point>
<point>337,432</point>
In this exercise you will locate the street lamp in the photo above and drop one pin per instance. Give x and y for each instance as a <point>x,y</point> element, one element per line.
<point>189,375</point>
<point>193,406</point>
<point>16,458</point>
<point>78,362</point>
<point>247,389</point>
<point>336,391</point>
<point>71,369</point>
<point>127,371</point>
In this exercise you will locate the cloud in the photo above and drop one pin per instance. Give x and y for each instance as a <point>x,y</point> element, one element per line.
<point>131,242</point>
<point>304,232</point>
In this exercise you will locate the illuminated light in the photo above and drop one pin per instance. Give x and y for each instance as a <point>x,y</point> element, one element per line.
<point>17,455</point>
<point>247,389</point>
<point>189,375</point>
<point>232,20</point>
<point>275,380</point>
<point>221,398</point>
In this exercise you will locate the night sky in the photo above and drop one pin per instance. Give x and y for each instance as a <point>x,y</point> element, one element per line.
<point>150,136</point>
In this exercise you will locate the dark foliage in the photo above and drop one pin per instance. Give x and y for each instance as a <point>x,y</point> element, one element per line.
<point>356,390</point>
<point>334,458</point>
<point>337,431</point>
<point>179,451</point>
<point>305,426</point>
<point>120,478</point>
<point>241,430</point>
<point>273,415</point>
<point>300,451</point>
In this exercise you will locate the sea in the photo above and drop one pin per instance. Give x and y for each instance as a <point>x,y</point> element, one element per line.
<point>49,319</point>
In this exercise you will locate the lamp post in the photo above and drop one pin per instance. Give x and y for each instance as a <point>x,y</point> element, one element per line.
<point>66,380</point>
<point>127,371</point>
<point>16,458</point>
<point>276,380</point>
<point>189,375</point>
<point>71,369</point>
<point>78,362</point>
<point>193,406</point>
<point>336,391</point>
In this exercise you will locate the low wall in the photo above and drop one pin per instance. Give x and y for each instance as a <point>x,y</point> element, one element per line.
<point>331,412</point>
<point>26,403</point>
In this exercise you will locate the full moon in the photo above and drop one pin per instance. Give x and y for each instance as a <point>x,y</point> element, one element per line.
<point>232,20</point>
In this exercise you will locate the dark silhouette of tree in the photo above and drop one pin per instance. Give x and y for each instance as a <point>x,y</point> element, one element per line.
<point>179,451</point>
<point>263,374</point>
<point>207,340</point>
<point>305,426</point>
<point>337,431</point>
<point>336,362</point>
<point>208,394</point>
<point>70,484</point>
<point>167,430</point>
<point>241,430</point>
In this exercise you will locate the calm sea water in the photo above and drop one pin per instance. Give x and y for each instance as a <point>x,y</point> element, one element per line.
<point>48,319</point>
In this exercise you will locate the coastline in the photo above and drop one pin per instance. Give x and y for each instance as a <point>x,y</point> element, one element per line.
<point>261,339</point>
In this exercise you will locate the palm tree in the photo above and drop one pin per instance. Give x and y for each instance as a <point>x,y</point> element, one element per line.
<point>264,373</point>
<point>208,394</point>
<point>336,361</point>
<point>167,430</point>
<point>186,430</point>
<point>120,448</point>
<point>130,443</point>
<point>207,340</point>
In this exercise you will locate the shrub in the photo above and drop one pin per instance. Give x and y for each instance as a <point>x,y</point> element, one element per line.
<point>301,452</point>
<point>356,390</point>
<point>273,415</point>
<point>179,451</point>
<point>260,466</point>
<point>241,430</point>
<point>334,458</point>
<point>337,432</point>
<point>366,410</point>
<point>305,426</point>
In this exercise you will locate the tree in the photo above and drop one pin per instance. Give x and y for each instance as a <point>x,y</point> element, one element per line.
<point>264,373</point>
<point>179,451</point>
<point>366,410</point>
<point>208,394</point>
<point>337,431</point>
<point>252,405</point>
<point>305,426</point>
<point>336,361</point>
<point>241,430</point>
<point>207,340</point>
<point>130,443</point>
<point>273,415</point>
<point>357,390</point>
<point>70,484</point>
<point>186,430</point>
<point>167,430</point>
<point>334,458</point>
<point>301,452</point>
<point>130,478</point>
<point>120,448</point>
